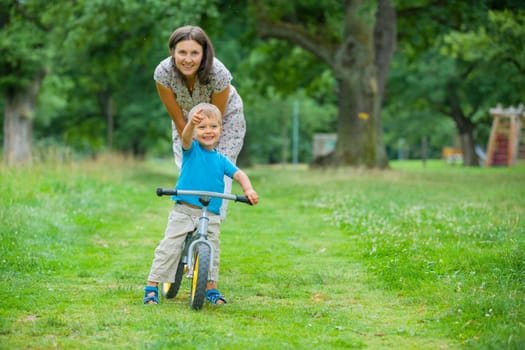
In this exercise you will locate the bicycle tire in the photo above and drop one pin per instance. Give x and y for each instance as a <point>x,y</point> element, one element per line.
<point>170,290</point>
<point>201,265</point>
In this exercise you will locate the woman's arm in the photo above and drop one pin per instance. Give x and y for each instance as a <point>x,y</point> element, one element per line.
<point>169,100</point>
<point>220,99</point>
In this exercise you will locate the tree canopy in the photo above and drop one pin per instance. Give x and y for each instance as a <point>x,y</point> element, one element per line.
<point>89,65</point>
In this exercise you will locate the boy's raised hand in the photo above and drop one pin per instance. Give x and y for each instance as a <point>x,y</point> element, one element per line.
<point>187,132</point>
<point>197,117</point>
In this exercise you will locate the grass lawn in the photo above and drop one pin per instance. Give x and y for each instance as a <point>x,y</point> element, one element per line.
<point>409,258</point>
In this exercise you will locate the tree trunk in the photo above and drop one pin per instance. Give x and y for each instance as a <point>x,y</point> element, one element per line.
<point>385,37</point>
<point>19,108</point>
<point>467,139</point>
<point>360,135</point>
<point>360,65</point>
<point>468,146</point>
<point>464,125</point>
<point>107,107</point>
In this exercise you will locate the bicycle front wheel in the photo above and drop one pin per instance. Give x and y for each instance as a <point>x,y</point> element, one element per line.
<point>201,266</point>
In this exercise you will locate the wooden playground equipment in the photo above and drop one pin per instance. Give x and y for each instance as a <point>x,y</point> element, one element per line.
<point>507,139</point>
<point>452,154</point>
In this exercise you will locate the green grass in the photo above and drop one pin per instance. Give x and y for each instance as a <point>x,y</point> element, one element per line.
<point>409,258</point>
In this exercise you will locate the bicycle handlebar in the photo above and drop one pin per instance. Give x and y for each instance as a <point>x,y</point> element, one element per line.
<point>232,197</point>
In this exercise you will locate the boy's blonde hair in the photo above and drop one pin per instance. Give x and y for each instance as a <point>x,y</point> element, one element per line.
<point>210,110</point>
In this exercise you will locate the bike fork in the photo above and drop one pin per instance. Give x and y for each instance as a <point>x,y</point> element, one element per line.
<point>201,240</point>
<point>202,230</point>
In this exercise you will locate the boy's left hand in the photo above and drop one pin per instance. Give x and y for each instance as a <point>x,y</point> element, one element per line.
<point>252,196</point>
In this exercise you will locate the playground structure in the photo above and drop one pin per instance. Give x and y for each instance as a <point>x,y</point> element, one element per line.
<point>452,154</point>
<point>507,139</point>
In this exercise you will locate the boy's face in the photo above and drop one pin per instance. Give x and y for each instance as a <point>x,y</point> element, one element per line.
<point>208,132</point>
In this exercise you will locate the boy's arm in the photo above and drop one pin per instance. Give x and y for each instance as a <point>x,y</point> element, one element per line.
<point>187,135</point>
<point>241,177</point>
<point>187,132</point>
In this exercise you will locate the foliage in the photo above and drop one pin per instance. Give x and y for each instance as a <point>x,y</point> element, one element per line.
<point>94,48</point>
<point>409,258</point>
<point>23,53</point>
<point>270,130</point>
<point>318,18</point>
<point>421,109</point>
<point>466,53</point>
<point>101,42</point>
<point>497,48</point>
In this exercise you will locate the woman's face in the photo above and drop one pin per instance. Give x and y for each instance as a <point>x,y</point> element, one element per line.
<point>188,57</point>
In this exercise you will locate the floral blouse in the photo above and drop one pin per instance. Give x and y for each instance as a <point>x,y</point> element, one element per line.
<point>234,125</point>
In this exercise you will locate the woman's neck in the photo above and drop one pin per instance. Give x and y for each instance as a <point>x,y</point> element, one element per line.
<point>190,83</point>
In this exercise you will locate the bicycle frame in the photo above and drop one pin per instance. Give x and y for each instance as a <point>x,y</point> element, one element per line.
<point>201,235</point>
<point>202,229</point>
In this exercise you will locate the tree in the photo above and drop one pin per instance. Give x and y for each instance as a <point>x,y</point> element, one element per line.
<point>113,47</point>
<point>105,41</point>
<point>491,54</point>
<point>96,54</point>
<point>23,57</point>
<point>455,64</point>
<point>358,55</point>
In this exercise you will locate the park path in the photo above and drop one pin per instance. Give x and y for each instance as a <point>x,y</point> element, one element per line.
<point>334,283</point>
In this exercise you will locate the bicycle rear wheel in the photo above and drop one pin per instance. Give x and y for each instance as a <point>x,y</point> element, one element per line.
<point>201,266</point>
<point>170,290</point>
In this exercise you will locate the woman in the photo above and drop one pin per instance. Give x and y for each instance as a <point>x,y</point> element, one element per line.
<point>189,76</point>
<point>192,75</point>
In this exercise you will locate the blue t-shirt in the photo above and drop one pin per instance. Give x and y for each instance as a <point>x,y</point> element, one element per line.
<point>203,170</point>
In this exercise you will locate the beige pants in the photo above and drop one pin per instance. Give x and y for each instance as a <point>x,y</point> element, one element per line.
<point>181,220</point>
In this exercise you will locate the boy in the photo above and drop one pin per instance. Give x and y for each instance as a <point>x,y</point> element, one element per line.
<point>203,169</point>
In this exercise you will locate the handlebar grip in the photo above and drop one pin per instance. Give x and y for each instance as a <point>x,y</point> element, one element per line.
<point>243,199</point>
<point>162,192</point>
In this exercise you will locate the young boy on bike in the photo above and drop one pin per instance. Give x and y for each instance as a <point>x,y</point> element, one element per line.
<point>203,169</point>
